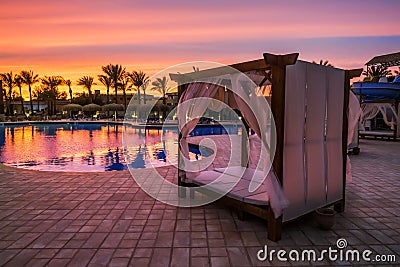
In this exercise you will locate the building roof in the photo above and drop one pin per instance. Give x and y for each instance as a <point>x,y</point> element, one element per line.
<point>388,60</point>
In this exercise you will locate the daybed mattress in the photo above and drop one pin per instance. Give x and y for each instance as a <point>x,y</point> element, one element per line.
<point>236,180</point>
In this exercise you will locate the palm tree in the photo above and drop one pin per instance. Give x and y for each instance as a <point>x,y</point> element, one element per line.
<point>377,71</point>
<point>160,85</point>
<point>19,82</point>
<point>29,79</point>
<point>9,82</point>
<point>116,73</point>
<point>68,83</point>
<point>87,82</point>
<point>323,63</point>
<point>1,97</point>
<point>107,82</point>
<point>139,79</point>
<point>124,85</point>
<point>51,83</point>
<point>37,92</point>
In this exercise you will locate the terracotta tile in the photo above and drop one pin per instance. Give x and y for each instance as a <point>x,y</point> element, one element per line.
<point>75,219</point>
<point>219,261</point>
<point>181,239</point>
<point>119,262</point>
<point>200,261</point>
<point>159,257</point>
<point>102,257</point>
<point>180,257</point>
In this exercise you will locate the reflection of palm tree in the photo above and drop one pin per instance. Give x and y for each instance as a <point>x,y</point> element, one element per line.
<point>138,162</point>
<point>90,158</point>
<point>109,156</point>
<point>2,137</point>
<point>139,80</point>
<point>116,73</point>
<point>117,156</point>
<point>68,83</point>
<point>18,82</point>
<point>87,82</point>
<point>160,85</point>
<point>115,166</point>
<point>164,150</point>
<point>106,81</point>
<point>30,79</point>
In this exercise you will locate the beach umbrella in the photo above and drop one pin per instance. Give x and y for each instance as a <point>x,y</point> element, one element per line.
<point>72,107</point>
<point>113,107</point>
<point>91,107</point>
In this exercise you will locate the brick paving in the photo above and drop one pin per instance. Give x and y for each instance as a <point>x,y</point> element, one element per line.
<point>94,219</point>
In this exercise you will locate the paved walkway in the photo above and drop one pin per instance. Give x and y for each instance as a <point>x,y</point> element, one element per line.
<point>59,219</point>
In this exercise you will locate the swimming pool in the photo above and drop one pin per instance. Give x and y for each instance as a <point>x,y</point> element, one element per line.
<point>92,147</point>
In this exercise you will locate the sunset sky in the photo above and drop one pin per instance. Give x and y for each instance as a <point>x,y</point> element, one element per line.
<point>74,38</point>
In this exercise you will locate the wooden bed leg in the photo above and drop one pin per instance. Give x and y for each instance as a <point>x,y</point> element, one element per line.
<point>339,206</point>
<point>181,188</point>
<point>274,226</point>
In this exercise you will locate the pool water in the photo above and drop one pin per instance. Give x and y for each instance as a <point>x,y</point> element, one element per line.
<point>91,147</point>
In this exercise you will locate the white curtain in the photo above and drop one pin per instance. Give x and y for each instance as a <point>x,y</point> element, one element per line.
<point>371,110</point>
<point>354,115</point>
<point>198,96</point>
<point>259,118</point>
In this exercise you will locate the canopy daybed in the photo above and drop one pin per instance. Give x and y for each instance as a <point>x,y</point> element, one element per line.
<point>382,98</point>
<point>309,107</point>
<point>389,114</point>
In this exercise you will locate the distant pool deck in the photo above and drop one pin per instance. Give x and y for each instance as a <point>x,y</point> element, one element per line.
<point>80,219</point>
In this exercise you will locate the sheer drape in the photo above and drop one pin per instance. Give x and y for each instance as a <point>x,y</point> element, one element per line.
<point>354,115</point>
<point>198,96</point>
<point>371,110</point>
<point>248,104</point>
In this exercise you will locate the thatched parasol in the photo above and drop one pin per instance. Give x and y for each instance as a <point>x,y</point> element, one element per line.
<point>72,107</point>
<point>113,107</point>
<point>91,107</point>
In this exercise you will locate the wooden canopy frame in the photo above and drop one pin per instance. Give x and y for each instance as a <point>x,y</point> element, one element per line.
<point>388,60</point>
<point>277,65</point>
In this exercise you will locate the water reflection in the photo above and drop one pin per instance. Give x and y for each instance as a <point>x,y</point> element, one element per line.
<point>90,147</point>
<point>2,136</point>
<point>83,147</point>
<point>89,159</point>
<point>114,163</point>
